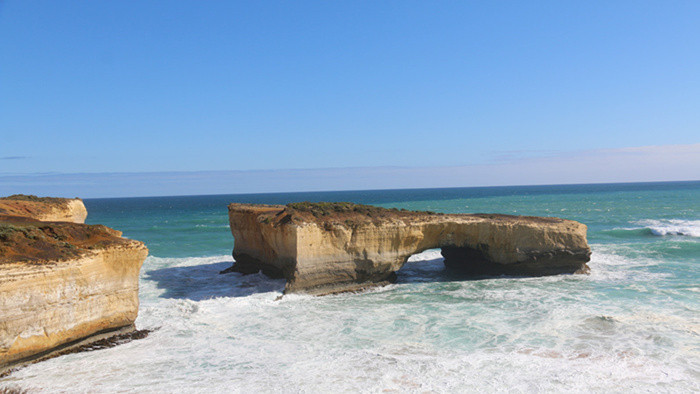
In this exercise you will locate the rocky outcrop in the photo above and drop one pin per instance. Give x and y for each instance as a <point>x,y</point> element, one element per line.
<point>63,285</point>
<point>47,209</point>
<point>330,247</point>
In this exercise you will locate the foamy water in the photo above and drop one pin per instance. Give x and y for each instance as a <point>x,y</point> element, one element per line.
<point>672,227</point>
<point>227,333</point>
<point>632,325</point>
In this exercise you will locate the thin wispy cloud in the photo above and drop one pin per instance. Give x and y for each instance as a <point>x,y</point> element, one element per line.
<point>524,154</point>
<point>14,157</point>
<point>631,164</point>
<point>690,152</point>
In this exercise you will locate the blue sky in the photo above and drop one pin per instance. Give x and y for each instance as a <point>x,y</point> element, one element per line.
<point>445,93</point>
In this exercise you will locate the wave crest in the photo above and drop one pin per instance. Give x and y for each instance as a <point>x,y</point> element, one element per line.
<point>689,228</point>
<point>659,228</point>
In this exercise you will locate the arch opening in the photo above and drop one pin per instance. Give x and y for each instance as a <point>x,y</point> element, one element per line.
<point>454,263</point>
<point>432,266</point>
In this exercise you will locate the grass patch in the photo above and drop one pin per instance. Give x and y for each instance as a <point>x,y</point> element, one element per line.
<point>33,198</point>
<point>329,208</point>
<point>9,231</point>
<point>28,240</point>
<point>319,209</point>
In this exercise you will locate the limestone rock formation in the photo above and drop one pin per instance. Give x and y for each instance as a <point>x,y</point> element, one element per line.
<point>322,248</point>
<point>63,284</point>
<point>47,209</point>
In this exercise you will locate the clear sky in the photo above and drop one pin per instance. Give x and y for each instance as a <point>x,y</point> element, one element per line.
<point>375,93</point>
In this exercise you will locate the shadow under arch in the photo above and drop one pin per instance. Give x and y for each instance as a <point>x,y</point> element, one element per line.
<point>203,282</point>
<point>429,266</point>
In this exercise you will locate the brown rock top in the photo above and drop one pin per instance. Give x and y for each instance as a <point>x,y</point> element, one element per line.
<point>33,241</point>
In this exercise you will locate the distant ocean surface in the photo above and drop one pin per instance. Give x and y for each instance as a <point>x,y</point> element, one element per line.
<point>632,325</point>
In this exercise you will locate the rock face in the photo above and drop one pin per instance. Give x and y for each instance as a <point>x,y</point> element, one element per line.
<point>47,209</point>
<point>324,248</point>
<point>63,284</point>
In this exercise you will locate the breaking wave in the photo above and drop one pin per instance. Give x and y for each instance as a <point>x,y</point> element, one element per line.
<point>690,228</point>
<point>659,228</point>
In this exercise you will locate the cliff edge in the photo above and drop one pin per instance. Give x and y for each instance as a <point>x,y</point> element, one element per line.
<point>62,284</point>
<point>47,209</point>
<point>322,248</point>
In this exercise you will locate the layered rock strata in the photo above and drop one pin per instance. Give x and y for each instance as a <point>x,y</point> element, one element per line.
<point>63,285</point>
<point>323,248</point>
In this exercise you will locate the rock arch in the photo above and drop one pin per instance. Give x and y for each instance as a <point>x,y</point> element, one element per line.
<point>325,248</point>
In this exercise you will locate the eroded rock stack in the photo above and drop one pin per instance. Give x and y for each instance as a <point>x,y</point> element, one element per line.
<point>62,283</point>
<point>321,248</point>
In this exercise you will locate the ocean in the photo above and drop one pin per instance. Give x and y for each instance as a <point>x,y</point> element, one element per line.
<point>633,324</point>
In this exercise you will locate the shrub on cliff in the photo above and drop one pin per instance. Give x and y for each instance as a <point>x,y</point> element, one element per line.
<point>329,208</point>
<point>319,209</point>
<point>31,197</point>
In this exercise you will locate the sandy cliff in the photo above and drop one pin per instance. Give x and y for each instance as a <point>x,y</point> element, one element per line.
<point>330,247</point>
<point>47,209</point>
<point>62,285</point>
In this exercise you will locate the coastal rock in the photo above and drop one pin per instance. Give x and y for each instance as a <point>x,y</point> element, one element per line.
<point>47,209</point>
<point>322,248</point>
<point>63,285</point>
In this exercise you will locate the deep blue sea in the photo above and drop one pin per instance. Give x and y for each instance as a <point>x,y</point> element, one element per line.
<point>632,325</point>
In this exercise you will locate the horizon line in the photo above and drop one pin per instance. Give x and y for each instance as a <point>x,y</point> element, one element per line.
<point>400,189</point>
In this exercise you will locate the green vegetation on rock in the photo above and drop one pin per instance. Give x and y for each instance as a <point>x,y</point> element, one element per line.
<point>330,208</point>
<point>31,197</point>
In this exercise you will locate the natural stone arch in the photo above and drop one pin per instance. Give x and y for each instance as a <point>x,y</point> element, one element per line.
<point>332,247</point>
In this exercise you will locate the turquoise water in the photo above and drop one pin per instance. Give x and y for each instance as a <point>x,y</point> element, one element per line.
<point>632,324</point>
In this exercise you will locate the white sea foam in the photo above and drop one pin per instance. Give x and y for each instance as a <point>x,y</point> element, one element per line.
<point>429,332</point>
<point>212,225</point>
<point>430,254</point>
<point>690,228</point>
<point>612,264</point>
